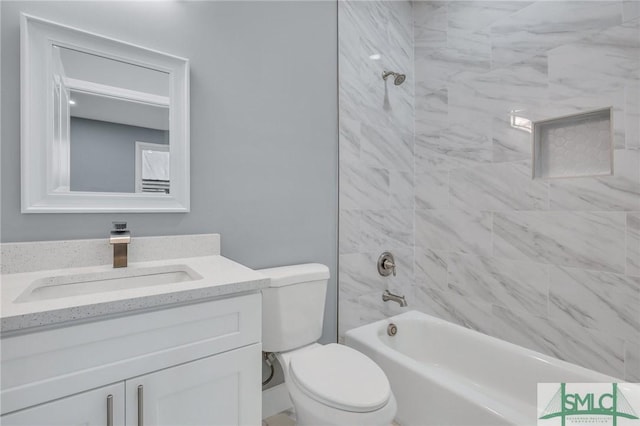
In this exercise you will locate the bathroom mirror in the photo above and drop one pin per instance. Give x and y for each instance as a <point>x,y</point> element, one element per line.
<point>105,124</point>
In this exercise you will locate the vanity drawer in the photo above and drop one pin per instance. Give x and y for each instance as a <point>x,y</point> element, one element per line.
<point>44,365</point>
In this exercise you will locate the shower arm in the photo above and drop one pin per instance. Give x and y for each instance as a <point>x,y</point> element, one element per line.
<point>386,74</point>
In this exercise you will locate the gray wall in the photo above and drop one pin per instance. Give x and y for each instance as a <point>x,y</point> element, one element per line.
<point>103,154</point>
<point>263,126</point>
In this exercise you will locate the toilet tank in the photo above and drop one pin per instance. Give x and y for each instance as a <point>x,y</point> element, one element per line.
<point>293,306</point>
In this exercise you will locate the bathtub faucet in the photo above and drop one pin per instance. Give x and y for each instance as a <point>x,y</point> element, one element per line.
<point>387,295</point>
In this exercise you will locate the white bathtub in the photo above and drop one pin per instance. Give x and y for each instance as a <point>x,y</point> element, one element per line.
<point>445,374</point>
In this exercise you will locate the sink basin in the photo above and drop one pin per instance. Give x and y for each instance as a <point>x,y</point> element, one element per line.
<point>118,279</point>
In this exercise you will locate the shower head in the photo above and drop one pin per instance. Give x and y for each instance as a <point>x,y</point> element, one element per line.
<point>398,78</point>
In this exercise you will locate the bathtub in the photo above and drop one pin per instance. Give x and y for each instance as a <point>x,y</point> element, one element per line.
<point>445,374</point>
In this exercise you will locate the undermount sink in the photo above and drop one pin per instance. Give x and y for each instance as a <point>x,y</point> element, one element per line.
<point>56,287</point>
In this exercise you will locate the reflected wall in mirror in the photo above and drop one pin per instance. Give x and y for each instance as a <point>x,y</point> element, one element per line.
<point>113,133</point>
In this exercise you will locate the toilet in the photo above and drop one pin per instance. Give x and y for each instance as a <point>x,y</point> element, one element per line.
<point>328,384</point>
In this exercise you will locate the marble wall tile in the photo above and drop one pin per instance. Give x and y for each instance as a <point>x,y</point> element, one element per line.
<point>433,67</point>
<point>402,189</point>
<point>633,244</point>
<point>477,15</point>
<point>352,100</point>
<point>363,187</point>
<point>630,10</point>
<point>432,302</point>
<point>632,362</point>
<point>520,286</point>
<point>457,146</point>
<point>522,83</point>
<point>349,231</point>
<point>632,115</point>
<point>465,108</point>
<point>620,192</point>
<point>431,268</point>
<point>376,154</point>
<point>450,306</point>
<point>386,229</point>
<point>465,46</point>
<point>400,26</point>
<point>506,186</point>
<point>589,240</point>
<point>431,110</point>
<point>350,136</point>
<point>544,25</point>
<point>430,24</point>
<point>600,63</point>
<point>597,300</point>
<point>598,351</point>
<point>511,139</point>
<point>432,189</point>
<point>358,311</point>
<point>348,314</point>
<point>461,231</point>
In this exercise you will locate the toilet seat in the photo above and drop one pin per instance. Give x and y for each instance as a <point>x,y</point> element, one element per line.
<point>340,377</point>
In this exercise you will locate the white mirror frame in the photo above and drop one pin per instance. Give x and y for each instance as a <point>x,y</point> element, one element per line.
<point>41,175</point>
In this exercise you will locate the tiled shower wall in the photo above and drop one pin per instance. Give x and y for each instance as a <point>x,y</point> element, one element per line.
<point>376,155</point>
<point>553,265</point>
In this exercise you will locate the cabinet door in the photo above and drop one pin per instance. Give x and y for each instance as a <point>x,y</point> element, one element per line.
<point>91,408</point>
<point>223,389</point>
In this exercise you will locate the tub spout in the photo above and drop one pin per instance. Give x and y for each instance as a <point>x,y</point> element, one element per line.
<point>387,295</point>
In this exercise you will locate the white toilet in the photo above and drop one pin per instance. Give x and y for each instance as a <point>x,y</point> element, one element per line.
<point>328,384</point>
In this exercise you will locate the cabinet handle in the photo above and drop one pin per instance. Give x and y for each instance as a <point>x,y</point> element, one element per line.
<point>110,410</point>
<point>140,406</point>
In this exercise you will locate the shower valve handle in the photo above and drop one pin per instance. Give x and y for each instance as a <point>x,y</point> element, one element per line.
<point>386,264</point>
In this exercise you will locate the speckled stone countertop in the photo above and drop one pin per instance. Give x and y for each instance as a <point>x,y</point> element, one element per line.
<point>219,277</point>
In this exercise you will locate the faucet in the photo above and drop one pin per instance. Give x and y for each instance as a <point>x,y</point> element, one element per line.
<point>120,238</point>
<point>387,295</point>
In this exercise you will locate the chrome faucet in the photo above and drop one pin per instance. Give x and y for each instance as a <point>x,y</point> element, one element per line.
<point>120,238</point>
<point>387,295</point>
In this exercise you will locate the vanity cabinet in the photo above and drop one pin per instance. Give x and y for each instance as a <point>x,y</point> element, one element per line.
<point>194,364</point>
<point>88,408</point>
<point>210,391</point>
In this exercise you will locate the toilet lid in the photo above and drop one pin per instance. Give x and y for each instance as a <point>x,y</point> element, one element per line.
<point>340,377</point>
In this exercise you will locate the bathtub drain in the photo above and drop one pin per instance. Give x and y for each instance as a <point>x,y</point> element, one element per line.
<point>392,329</point>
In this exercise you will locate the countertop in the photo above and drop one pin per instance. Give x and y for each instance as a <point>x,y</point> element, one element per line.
<point>220,277</point>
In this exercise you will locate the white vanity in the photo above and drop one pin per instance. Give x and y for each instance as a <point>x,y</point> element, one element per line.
<point>183,352</point>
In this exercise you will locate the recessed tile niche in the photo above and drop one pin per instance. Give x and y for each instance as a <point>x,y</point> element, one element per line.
<point>574,146</point>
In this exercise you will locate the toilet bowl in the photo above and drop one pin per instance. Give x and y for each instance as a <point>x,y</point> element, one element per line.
<point>328,384</point>
<point>337,385</point>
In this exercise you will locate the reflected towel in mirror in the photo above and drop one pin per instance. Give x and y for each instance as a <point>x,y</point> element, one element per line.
<point>155,165</point>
